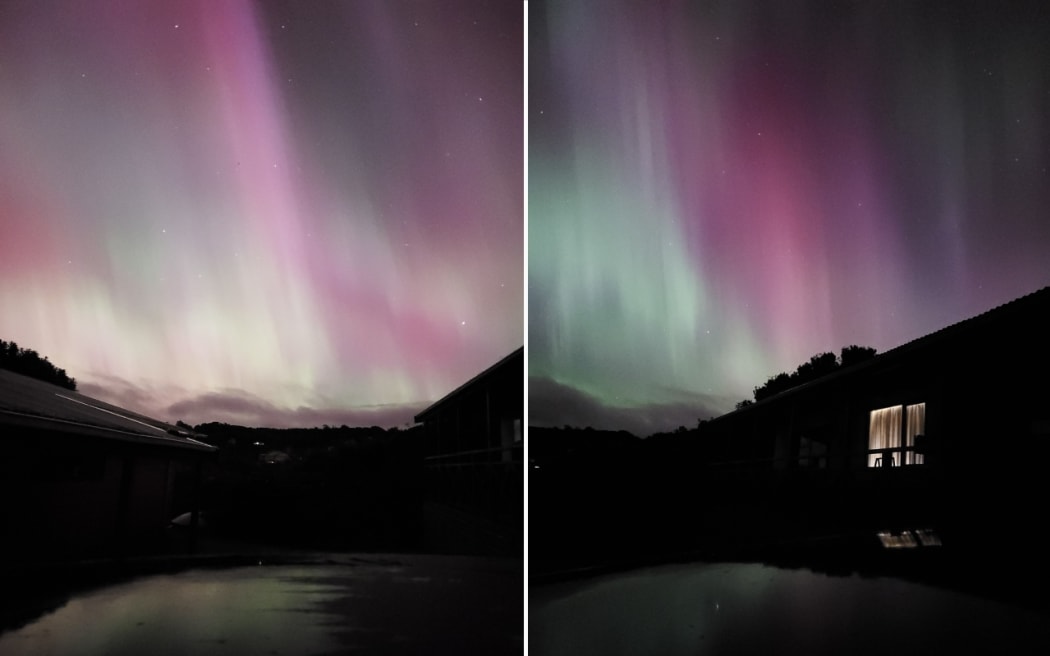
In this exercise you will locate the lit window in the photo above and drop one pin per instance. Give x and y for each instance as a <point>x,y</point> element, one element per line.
<point>926,537</point>
<point>891,435</point>
<point>902,540</point>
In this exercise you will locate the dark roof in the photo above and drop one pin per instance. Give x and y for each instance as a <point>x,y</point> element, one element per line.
<point>1024,306</point>
<point>1015,308</point>
<point>516,358</point>
<point>32,403</point>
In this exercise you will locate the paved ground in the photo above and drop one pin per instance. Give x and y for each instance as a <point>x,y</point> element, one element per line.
<point>367,604</point>
<point>735,608</point>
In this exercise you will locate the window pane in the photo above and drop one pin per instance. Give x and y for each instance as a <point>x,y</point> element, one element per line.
<point>884,432</point>
<point>916,426</point>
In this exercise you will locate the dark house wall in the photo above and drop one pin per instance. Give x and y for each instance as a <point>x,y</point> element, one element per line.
<point>72,496</point>
<point>986,440</point>
<point>70,503</point>
<point>480,416</point>
<point>473,466</point>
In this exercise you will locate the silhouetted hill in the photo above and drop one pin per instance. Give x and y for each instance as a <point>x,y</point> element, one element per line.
<point>221,434</point>
<point>330,488</point>
<point>29,363</point>
<point>578,446</point>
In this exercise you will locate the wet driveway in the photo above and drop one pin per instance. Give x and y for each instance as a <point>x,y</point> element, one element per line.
<point>368,605</point>
<point>720,609</point>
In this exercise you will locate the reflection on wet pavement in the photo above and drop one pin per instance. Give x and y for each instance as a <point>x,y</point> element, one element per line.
<point>415,604</point>
<point>756,609</point>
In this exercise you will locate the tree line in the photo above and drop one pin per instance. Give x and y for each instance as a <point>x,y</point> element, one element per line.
<point>818,366</point>
<point>29,363</point>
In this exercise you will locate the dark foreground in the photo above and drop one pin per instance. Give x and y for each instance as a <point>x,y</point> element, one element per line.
<point>324,604</point>
<point>751,608</point>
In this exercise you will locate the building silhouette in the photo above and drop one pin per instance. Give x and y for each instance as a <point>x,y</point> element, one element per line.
<point>940,442</point>
<point>86,479</point>
<point>473,464</point>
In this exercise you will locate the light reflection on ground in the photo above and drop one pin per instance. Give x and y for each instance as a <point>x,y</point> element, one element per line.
<point>754,609</point>
<point>421,604</point>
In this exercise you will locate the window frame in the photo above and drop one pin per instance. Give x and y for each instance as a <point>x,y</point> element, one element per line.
<point>903,451</point>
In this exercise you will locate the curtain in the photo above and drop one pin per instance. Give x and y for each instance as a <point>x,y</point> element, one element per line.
<point>916,426</point>
<point>884,432</point>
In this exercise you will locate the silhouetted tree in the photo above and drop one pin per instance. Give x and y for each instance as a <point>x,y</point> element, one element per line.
<point>853,354</point>
<point>774,385</point>
<point>29,363</point>
<point>818,366</point>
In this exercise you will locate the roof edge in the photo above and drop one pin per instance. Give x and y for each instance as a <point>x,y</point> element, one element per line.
<point>488,371</point>
<point>66,426</point>
<point>899,350</point>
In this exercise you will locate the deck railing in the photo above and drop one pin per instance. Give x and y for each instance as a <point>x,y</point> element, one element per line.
<point>886,457</point>
<point>486,482</point>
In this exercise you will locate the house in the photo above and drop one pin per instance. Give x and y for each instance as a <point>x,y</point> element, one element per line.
<point>82,478</point>
<point>473,447</point>
<point>944,439</point>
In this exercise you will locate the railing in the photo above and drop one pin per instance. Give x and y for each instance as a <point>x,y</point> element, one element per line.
<point>486,482</point>
<point>886,459</point>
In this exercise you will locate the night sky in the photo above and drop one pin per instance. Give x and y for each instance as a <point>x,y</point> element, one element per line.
<point>719,190</point>
<point>266,213</point>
